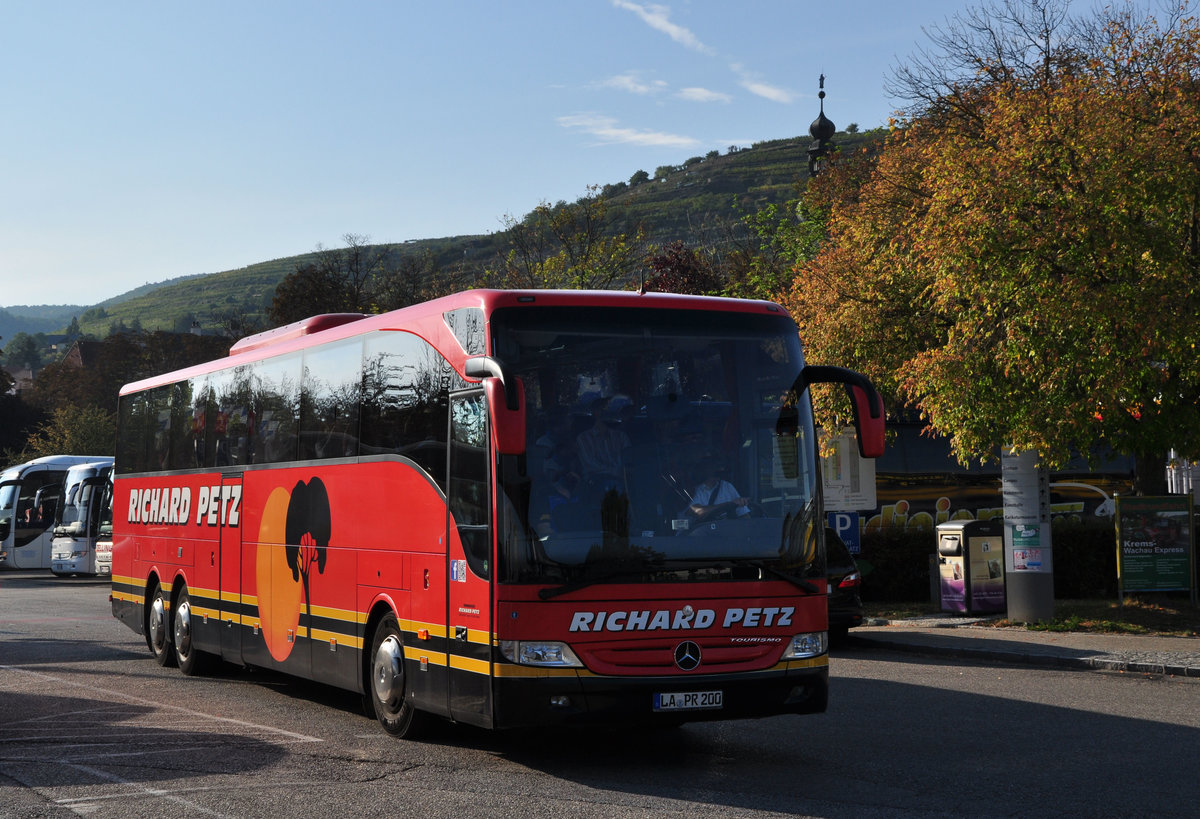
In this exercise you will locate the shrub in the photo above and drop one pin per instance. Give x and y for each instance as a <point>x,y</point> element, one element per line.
<point>895,562</point>
<point>895,565</point>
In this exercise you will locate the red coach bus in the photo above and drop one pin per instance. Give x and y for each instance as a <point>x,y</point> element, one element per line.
<point>502,508</point>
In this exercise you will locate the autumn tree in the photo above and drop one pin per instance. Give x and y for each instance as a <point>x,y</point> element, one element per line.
<point>680,269</point>
<point>1020,263</point>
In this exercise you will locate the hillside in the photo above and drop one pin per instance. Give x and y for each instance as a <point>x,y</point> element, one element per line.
<point>685,202</point>
<point>35,318</point>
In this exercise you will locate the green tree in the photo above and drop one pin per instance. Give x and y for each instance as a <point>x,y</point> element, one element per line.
<point>408,278</point>
<point>638,178</point>
<point>1021,263</point>
<point>310,290</point>
<point>569,246</point>
<point>86,430</point>
<point>23,351</point>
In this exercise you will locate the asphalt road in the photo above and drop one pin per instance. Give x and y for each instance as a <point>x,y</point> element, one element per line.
<point>89,725</point>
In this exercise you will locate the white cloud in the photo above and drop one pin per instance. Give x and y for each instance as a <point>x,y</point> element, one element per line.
<point>634,84</point>
<point>608,132</point>
<point>658,18</point>
<point>761,89</point>
<point>703,95</point>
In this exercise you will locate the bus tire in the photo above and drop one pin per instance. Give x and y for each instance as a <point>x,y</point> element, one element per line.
<point>386,682</point>
<point>191,659</point>
<point>158,627</point>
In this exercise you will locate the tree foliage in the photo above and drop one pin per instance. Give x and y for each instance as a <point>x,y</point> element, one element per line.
<point>77,430</point>
<point>569,246</point>
<point>1020,260</point>
<point>357,278</point>
<point>24,350</point>
<point>119,360</point>
<point>680,269</point>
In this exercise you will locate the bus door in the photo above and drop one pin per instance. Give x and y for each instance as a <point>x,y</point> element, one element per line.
<point>469,573</point>
<point>230,563</point>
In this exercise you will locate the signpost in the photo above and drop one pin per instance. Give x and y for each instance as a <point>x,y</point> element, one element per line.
<point>1155,549</point>
<point>1028,556</point>
<point>849,483</point>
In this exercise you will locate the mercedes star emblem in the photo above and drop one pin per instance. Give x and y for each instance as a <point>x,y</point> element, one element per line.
<point>687,655</point>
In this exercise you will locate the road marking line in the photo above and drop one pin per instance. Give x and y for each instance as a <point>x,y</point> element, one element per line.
<point>179,708</point>
<point>155,792</point>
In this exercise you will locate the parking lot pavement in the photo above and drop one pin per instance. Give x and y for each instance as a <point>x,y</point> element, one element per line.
<point>970,637</point>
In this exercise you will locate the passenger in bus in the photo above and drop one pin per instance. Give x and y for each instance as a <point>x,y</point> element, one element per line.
<point>554,450</point>
<point>602,448</point>
<point>715,490</point>
<point>36,517</point>
<point>560,505</point>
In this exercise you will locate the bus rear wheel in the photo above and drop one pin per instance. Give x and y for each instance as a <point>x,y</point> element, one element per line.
<point>191,659</point>
<point>158,627</point>
<point>386,684</point>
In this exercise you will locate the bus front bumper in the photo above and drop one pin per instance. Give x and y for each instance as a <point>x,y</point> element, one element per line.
<point>582,699</point>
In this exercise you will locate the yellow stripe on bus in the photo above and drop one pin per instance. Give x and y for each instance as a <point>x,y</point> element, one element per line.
<point>336,636</point>
<point>505,670</point>
<point>470,664</point>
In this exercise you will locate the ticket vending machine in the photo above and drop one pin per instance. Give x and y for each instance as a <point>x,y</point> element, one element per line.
<point>970,557</point>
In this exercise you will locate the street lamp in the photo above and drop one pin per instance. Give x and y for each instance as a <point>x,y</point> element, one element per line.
<point>822,131</point>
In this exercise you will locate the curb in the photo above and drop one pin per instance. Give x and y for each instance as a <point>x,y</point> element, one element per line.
<point>1098,662</point>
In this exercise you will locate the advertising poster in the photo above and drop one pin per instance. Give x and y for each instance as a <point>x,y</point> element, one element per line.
<point>1027,552</point>
<point>1154,543</point>
<point>953,584</point>
<point>987,572</point>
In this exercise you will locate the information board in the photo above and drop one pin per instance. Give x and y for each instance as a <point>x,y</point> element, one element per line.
<point>1154,543</point>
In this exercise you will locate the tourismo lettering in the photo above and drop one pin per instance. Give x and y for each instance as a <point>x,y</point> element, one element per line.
<point>160,505</point>
<point>682,619</point>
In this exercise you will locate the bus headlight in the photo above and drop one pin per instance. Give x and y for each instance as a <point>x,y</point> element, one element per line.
<point>539,652</point>
<point>812,644</point>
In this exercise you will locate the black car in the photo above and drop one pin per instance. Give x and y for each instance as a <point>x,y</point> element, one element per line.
<point>845,582</point>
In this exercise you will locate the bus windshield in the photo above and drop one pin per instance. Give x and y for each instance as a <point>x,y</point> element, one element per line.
<point>662,446</point>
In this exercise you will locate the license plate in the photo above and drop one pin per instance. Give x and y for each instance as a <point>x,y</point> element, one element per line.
<point>689,700</point>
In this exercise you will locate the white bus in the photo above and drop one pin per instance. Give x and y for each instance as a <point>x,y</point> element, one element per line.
<point>84,512</point>
<point>28,498</point>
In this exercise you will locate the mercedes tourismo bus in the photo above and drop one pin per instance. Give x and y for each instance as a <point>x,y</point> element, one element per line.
<point>84,520</point>
<point>503,508</point>
<point>29,495</point>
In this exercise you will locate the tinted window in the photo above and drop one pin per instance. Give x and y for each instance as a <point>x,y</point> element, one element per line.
<point>275,385</point>
<point>329,402</point>
<point>404,401</point>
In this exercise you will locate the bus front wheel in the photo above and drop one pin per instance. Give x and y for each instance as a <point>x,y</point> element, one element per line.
<point>386,686</point>
<point>158,628</point>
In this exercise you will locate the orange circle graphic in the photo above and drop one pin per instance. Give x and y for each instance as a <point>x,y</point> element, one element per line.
<point>278,591</point>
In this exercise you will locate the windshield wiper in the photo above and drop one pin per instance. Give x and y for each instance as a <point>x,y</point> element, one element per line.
<point>590,580</point>
<point>798,582</point>
<point>694,563</point>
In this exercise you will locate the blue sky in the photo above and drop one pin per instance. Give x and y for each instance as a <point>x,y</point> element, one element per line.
<point>147,140</point>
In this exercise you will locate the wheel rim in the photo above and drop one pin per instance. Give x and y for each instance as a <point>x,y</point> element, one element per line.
<point>158,624</point>
<point>183,628</point>
<point>388,672</point>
